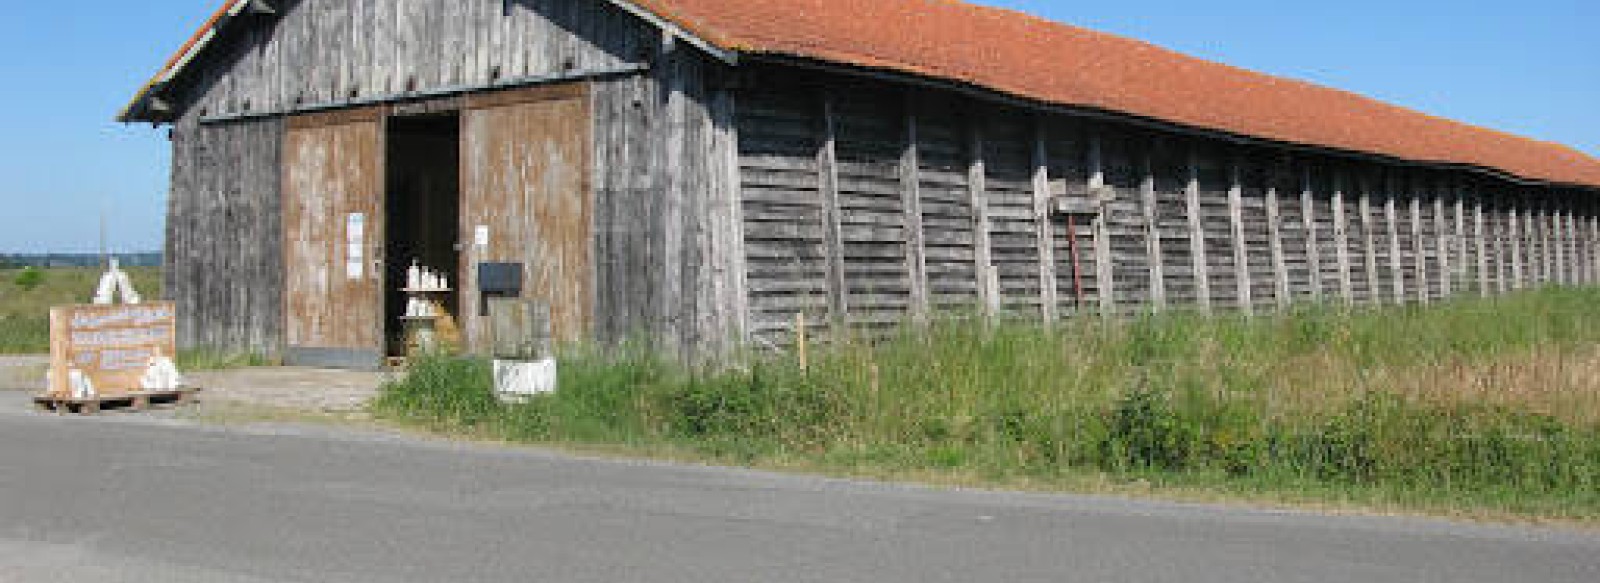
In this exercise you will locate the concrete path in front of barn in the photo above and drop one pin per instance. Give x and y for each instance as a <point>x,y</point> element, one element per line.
<point>305,389</point>
<point>310,390</point>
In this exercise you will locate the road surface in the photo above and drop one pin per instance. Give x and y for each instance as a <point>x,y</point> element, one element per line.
<point>135,499</point>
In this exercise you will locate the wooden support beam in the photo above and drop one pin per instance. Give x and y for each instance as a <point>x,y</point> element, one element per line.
<point>1539,227</point>
<point>1369,243</point>
<point>1574,245</point>
<point>1391,225</point>
<point>1102,232</point>
<point>1481,237</point>
<point>1514,236</point>
<point>1308,217</point>
<point>1197,235</point>
<point>1241,253</point>
<point>1563,240</point>
<point>1152,231</point>
<point>977,196</point>
<point>1592,245</point>
<point>1280,266</point>
<point>1580,254</point>
<point>1419,243</point>
<point>833,231</point>
<point>1586,241</point>
<point>1447,234</point>
<point>1341,240</point>
<point>1044,231</point>
<point>911,204</point>
<point>730,252</point>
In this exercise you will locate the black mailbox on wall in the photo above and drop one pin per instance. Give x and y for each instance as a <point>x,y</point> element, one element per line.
<point>500,279</point>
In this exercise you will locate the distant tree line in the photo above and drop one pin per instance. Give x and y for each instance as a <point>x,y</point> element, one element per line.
<point>16,261</point>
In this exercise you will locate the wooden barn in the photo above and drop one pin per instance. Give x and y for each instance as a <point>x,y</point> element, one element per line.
<point>703,174</point>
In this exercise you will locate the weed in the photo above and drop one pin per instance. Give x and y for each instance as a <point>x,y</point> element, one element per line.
<point>1487,404</point>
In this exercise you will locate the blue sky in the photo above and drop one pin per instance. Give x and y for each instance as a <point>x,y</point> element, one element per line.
<point>1530,67</point>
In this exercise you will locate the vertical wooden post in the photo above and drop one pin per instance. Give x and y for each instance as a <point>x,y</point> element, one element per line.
<point>1481,239</point>
<point>1579,236</point>
<point>833,230</point>
<point>1574,248</point>
<point>1514,235</point>
<point>1539,233</point>
<point>1369,242</point>
<point>1197,235</point>
<point>1308,216</point>
<point>730,204</point>
<point>1341,239</point>
<point>1391,223</point>
<point>1592,242</point>
<point>1550,223</point>
<point>1044,232</point>
<point>983,257</point>
<point>1444,237</point>
<point>801,342</point>
<point>1586,241</point>
<point>1500,230</point>
<point>1152,230</point>
<point>1559,234</point>
<point>1102,231</point>
<point>911,204</point>
<point>1241,253</point>
<point>1592,245</point>
<point>1419,244</point>
<point>1280,267</point>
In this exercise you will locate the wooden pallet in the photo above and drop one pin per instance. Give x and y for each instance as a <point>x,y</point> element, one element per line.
<point>136,401</point>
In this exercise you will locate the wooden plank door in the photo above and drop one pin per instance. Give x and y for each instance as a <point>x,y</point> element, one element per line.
<point>333,239</point>
<point>526,199</point>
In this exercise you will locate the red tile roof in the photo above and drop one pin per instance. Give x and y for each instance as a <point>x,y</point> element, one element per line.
<point>1036,59</point>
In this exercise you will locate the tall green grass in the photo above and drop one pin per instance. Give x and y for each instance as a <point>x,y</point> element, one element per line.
<point>25,309</point>
<point>1485,404</point>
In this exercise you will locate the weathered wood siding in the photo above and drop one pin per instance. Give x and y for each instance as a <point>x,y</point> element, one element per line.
<point>667,262</point>
<point>224,258</point>
<point>830,168</point>
<point>669,256</point>
<point>327,51</point>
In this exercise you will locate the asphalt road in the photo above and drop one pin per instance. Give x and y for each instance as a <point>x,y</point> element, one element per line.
<point>131,499</point>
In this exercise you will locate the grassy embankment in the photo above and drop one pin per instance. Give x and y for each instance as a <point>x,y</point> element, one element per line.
<point>25,311</point>
<point>1485,408</point>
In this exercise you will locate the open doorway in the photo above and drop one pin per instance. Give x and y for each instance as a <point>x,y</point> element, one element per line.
<point>424,210</point>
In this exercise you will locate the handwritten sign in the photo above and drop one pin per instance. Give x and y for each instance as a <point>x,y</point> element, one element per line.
<point>110,346</point>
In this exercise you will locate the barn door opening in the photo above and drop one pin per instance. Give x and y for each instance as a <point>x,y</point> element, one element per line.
<point>424,216</point>
<point>333,222</point>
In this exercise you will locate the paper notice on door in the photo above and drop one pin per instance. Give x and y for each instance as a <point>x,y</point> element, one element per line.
<point>355,265</point>
<point>480,237</point>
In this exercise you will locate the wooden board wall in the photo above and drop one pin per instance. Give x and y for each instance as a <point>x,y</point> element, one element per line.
<point>321,51</point>
<point>1189,222</point>
<point>223,266</point>
<point>526,184</point>
<point>332,175</point>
